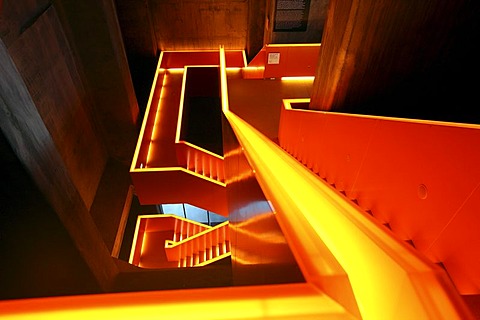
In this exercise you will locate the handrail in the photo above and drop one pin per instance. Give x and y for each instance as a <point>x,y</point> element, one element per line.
<point>199,160</point>
<point>147,223</point>
<point>178,250</point>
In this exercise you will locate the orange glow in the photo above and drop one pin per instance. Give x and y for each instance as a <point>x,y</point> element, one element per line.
<point>286,301</point>
<point>383,271</point>
<point>190,238</point>
<point>358,160</point>
<point>144,123</point>
<point>176,70</point>
<point>201,161</point>
<point>347,257</point>
<point>201,150</point>
<point>180,110</point>
<point>201,241</point>
<point>244,58</point>
<point>297,78</point>
<point>155,121</point>
<point>254,68</point>
<point>279,45</point>
<point>223,80</point>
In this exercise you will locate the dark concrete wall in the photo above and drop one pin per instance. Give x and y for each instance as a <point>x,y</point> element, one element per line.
<point>412,59</point>
<point>38,257</point>
<point>67,107</point>
<point>317,13</point>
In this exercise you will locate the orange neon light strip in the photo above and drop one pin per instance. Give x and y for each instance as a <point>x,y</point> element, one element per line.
<point>305,78</point>
<point>145,120</point>
<point>155,121</point>
<point>223,80</point>
<point>280,45</point>
<point>201,149</point>
<point>284,301</point>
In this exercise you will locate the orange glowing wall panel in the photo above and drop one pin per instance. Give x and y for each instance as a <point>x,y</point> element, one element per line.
<point>235,59</point>
<point>420,177</point>
<point>293,60</point>
<point>180,59</point>
<point>259,59</point>
<point>176,185</point>
<point>390,280</point>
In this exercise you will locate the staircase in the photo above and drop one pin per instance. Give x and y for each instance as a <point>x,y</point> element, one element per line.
<point>185,243</point>
<point>200,249</point>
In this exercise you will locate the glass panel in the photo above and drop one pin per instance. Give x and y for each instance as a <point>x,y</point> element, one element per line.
<point>196,214</point>
<point>176,209</point>
<point>216,218</point>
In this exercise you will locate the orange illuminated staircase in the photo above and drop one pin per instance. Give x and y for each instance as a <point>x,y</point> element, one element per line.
<point>200,249</point>
<point>340,170</point>
<point>166,241</point>
<point>164,161</point>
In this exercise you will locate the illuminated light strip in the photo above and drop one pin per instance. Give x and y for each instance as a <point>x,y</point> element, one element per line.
<point>223,80</point>
<point>191,50</point>
<point>287,103</point>
<point>180,109</point>
<point>145,120</point>
<point>135,239</point>
<point>208,229</point>
<point>294,45</point>
<point>245,64</point>
<point>176,70</point>
<point>201,65</point>
<point>207,262</point>
<point>160,61</point>
<point>287,106</point>
<point>255,68</point>
<point>261,302</point>
<point>305,78</point>
<point>154,129</point>
<point>170,243</point>
<point>193,146</point>
<point>389,279</point>
<point>190,172</point>
<point>172,216</point>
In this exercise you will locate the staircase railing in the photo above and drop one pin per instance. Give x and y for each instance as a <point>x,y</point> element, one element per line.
<point>203,248</point>
<point>201,161</point>
<point>181,229</point>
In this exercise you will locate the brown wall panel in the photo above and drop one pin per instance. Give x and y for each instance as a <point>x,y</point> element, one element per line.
<point>408,59</point>
<point>38,257</point>
<point>135,20</point>
<point>17,16</point>
<point>33,144</point>
<point>92,29</point>
<point>43,57</point>
<point>182,25</point>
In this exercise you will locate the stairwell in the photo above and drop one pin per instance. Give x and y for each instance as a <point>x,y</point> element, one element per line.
<point>168,241</point>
